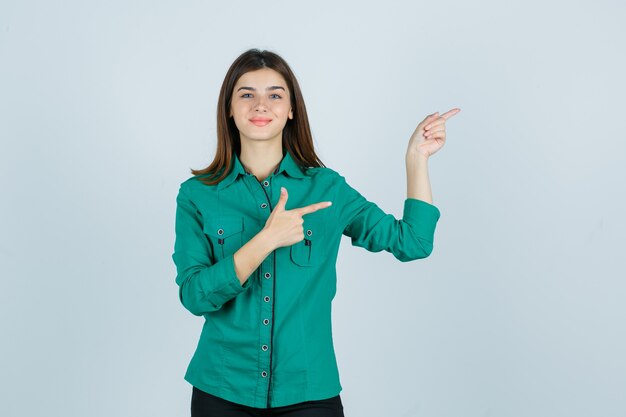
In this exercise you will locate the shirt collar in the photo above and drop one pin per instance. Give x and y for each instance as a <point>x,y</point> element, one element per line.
<point>287,164</point>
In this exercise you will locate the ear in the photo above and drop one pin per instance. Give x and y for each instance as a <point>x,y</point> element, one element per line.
<point>291,113</point>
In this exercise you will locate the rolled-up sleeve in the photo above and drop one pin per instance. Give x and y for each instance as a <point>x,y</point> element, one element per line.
<point>368,226</point>
<point>203,286</point>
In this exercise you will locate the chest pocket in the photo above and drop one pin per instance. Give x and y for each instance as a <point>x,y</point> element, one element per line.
<point>225,233</point>
<point>310,250</point>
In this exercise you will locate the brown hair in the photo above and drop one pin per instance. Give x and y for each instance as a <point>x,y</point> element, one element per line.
<point>296,137</point>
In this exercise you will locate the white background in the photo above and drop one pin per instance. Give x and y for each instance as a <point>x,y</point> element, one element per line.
<point>519,311</point>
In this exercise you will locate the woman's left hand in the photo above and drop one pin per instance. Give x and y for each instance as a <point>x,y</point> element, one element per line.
<point>430,134</point>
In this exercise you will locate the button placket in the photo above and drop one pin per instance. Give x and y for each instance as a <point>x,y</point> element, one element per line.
<point>265,364</point>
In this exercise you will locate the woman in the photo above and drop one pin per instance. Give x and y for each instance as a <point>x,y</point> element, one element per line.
<point>257,236</point>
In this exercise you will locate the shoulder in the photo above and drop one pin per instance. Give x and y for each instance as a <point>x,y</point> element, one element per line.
<point>194,184</point>
<point>323,174</point>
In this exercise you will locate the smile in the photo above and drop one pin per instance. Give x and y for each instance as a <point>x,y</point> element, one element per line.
<point>260,122</point>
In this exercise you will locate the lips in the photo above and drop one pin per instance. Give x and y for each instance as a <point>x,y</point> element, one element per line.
<point>260,122</point>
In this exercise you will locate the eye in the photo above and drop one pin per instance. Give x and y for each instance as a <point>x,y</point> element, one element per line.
<point>245,94</point>
<point>276,95</point>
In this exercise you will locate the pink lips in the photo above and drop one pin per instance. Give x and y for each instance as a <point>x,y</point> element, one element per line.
<point>260,122</point>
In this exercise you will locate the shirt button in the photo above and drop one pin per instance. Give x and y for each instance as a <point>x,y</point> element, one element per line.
<point>263,205</point>
<point>266,321</point>
<point>267,299</point>
<point>264,347</point>
<point>263,374</point>
<point>309,232</point>
<point>267,275</point>
<point>266,183</point>
<point>220,231</point>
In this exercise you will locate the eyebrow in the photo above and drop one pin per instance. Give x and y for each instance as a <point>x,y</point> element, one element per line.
<point>274,87</point>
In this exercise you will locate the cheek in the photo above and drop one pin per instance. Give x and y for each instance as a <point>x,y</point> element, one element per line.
<point>239,106</point>
<point>283,111</point>
<point>239,117</point>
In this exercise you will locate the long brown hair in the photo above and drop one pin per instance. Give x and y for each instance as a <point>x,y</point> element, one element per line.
<point>296,137</point>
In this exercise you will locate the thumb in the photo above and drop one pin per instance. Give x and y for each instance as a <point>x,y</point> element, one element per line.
<point>283,199</point>
<point>428,120</point>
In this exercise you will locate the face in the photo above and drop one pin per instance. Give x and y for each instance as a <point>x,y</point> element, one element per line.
<point>261,105</point>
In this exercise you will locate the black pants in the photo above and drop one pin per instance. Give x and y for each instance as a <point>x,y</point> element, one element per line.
<point>204,404</point>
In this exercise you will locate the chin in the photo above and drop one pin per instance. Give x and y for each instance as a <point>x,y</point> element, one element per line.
<point>260,138</point>
<point>262,135</point>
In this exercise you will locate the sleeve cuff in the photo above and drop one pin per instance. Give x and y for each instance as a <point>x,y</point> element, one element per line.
<point>232,286</point>
<point>422,216</point>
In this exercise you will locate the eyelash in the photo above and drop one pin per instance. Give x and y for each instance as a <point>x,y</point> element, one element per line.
<point>246,94</point>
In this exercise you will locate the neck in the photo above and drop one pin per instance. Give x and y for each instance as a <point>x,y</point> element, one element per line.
<point>261,159</point>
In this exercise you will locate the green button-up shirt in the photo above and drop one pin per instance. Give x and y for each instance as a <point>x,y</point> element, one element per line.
<point>268,342</point>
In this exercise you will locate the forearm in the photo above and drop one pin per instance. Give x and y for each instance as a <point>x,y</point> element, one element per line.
<point>417,180</point>
<point>250,255</point>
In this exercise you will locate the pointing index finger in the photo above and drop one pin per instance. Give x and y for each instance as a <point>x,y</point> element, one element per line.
<point>314,207</point>
<point>450,113</point>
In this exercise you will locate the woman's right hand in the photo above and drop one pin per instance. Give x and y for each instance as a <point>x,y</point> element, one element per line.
<point>285,226</point>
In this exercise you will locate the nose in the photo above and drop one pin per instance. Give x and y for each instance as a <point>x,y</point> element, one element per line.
<point>260,105</point>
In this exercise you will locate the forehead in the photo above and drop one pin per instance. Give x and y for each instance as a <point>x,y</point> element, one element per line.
<point>261,78</point>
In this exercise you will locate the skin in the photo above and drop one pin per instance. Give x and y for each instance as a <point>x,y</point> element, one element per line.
<point>261,152</point>
<point>429,136</point>
<point>261,146</point>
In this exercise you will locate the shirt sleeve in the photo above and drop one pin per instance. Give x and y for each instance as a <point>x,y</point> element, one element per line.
<point>203,286</point>
<point>369,227</point>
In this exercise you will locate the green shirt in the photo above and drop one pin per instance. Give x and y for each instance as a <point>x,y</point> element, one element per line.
<point>268,342</point>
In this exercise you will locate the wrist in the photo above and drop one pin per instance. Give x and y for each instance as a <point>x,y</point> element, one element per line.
<point>266,239</point>
<point>416,157</point>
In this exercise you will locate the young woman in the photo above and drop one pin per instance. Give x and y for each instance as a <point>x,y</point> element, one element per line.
<point>257,237</point>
